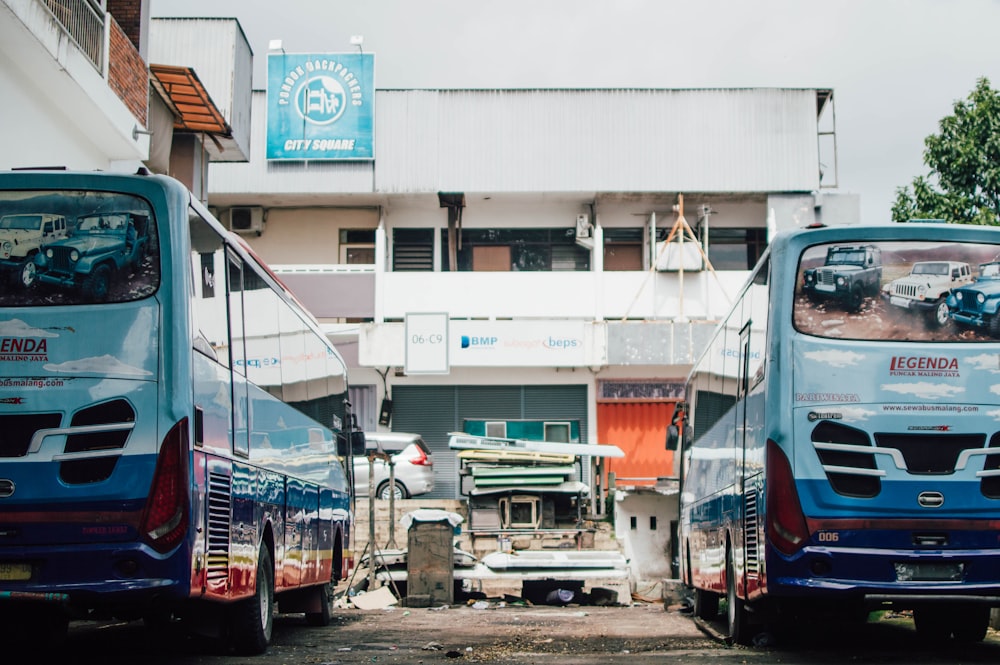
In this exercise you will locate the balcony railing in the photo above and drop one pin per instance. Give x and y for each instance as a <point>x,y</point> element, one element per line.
<point>84,24</point>
<point>559,295</point>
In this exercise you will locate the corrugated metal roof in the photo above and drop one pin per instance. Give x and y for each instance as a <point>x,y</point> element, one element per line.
<point>597,140</point>
<point>500,141</point>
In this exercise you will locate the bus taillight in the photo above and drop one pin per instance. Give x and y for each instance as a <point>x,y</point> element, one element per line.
<point>786,525</point>
<point>165,521</point>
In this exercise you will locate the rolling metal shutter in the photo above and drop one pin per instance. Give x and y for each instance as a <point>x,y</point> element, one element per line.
<point>435,411</point>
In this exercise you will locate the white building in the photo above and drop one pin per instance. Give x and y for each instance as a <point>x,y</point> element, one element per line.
<point>82,90</point>
<point>556,203</point>
<point>524,227</point>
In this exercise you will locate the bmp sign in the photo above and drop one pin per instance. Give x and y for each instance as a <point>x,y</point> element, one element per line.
<point>479,342</point>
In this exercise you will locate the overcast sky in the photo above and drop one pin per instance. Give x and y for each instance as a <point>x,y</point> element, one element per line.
<point>896,66</point>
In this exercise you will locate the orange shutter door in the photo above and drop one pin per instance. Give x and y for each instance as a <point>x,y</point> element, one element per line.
<point>640,430</point>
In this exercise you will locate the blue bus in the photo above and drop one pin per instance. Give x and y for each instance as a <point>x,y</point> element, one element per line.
<point>173,423</point>
<point>840,446</point>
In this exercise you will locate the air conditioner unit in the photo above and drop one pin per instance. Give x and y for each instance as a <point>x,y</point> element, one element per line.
<point>583,226</point>
<point>244,220</point>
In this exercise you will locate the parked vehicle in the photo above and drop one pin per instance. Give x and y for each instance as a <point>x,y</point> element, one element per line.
<point>414,467</point>
<point>21,236</point>
<point>849,273</point>
<point>99,248</point>
<point>977,305</point>
<point>147,470</point>
<point>839,469</point>
<point>926,288</point>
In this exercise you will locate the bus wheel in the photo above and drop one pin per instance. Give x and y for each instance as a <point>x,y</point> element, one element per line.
<point>970,623</point>
<point>738,622</point>
<point>33,628</point>
<point>322,618</point>
<point>253,618</point>
<point>706,604</point>
<point>933,623</point>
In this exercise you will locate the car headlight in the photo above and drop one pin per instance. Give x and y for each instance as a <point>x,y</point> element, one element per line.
<point>980,298</point>
<point>74,256</point>
<point>841,281</point>
<point>49,253</point>
<point>6,246</point>
<point>921,290</point>
<point>958,296</point>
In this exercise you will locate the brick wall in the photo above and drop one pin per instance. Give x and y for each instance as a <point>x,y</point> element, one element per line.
<point>128,14</point>
<point>382,519</point>
<point>127,73</point>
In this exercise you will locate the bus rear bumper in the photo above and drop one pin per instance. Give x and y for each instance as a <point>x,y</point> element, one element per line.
<point>889,577</point>
<point>116,578</point>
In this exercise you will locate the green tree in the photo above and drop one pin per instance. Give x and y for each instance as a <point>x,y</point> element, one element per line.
<point>963,185</point>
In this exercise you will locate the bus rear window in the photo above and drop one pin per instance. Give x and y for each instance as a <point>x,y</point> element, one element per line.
<point>76,247</point>
<point>899,291</point>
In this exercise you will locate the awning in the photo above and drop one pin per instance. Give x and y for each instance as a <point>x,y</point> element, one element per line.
<point>193,108</point>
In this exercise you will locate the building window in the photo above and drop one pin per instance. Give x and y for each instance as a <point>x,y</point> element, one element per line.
<point>412,250</point>
<point>735,249</point>
<point>623,249</point>
<point>557,432</point>
<point>519,250</point>
<point>357,246</point>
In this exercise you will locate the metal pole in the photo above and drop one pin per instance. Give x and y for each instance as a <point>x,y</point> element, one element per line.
<point>371,522</point>
<point>392,505</point>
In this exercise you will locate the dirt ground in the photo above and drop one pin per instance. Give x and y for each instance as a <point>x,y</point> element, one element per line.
<point>636,634</point>
<point>499,633</point>
<point>494,633</point>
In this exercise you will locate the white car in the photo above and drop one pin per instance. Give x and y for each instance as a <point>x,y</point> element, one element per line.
<point>926,288</point>
<point>414,467</point>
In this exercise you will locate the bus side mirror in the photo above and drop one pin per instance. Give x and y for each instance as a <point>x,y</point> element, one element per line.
<point>676,436</point>
<point>357,443</point>
<point>673,437</point>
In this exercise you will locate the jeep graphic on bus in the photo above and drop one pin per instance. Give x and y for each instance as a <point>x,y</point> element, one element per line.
<point>926,288</point>
<point>100,247</point>
<point>21,236</point>
<point>977,305</point>
<point>850,273</point>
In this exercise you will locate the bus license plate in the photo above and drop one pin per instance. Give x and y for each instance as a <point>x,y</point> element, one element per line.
<point>929,572</point>
<point>15,572</point>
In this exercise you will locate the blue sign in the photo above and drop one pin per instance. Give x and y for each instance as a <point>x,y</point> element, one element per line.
<point>320,106</point>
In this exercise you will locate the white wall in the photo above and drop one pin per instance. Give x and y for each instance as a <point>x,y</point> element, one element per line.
<point>35,132</point>
<point>647,550</point>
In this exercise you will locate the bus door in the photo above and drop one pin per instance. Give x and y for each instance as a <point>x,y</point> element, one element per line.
<point>243,527</point>
<point>237,336</point>
<point>740,456</point>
